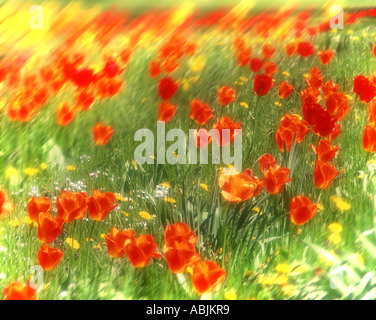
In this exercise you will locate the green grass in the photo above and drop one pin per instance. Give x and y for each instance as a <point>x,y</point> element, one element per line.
<point>258,243</point>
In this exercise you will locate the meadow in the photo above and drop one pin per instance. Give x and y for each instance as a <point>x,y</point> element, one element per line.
<point>298,221</point>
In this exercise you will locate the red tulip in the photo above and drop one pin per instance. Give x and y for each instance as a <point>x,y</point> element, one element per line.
<point>226,95</point>
<point>100,205</point>
<point>369,139</point>
<point>167,88</point>
<point>226,123</point>
<point>102,133</point>
<point>19,291</point>
<point>266,162</point>
<point>117,241</point>
<point>305,49</point>
<point>262,84</point>
<point>326,56</point>
<point>256,65</point>
<point>324,174</point>
<point>364,89</point>
<point>166,111</point>
<point>71,206</point>
<point>48,227</point>
<point>48,257</point>
<point>325,150</point>
<point>140,251</point>
<point>206,276</point>
<point>301,210</point>
<point>36,206</point>
<point>285,90</point>
<point>275,179</point>
<point>200,112</point>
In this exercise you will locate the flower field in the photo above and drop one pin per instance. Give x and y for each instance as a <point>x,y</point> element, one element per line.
<point>286,89</point>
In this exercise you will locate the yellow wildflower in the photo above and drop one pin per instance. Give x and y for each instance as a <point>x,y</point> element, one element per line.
<point>197,63</point>
<point>334,238</point>
<point>145,215</point>
<point>230,294</point>
<point>170,200</point>
<point>72,243</point>
<point>71,168</point>
<point>31,171</point>
<point>282,268</point>
<point>289,290</point>
<point>204,186</point>
<point>341,204</point>
<point>11,172</point>
<point>335,227</point>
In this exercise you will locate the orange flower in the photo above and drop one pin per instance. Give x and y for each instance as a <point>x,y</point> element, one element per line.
<point>324,174</point>
<point>325,56</point>
<point>224,125</point>
<point>5,205</point>
<point>179,255</point>
<point>256,64</point>
<point>65,114</point>
<point>336,132</point>
<point>275,179</point>
<point>270,68</point>
<point>268,51</point>
<point>19,291</point>
<point>372,113</point>
<point>325,150</point>
<point>239,187</point>
<point>71,206</point>
<point>244,56</point>
<point>290,128</point>
<point>102,133</point>
<point>37,205</point>
<point>100,205</point>
<point>337,105</point>
<point>301,210</point>
<point>167,88</point>
<point>202,138</point>
<point>48,227</point>
<point>117,240</point>
<point>266,161</point>
<point>180,247</point>
<point>262,84</point>
<point>166,111</point>
<point>285,90</point>
<point>200,112</point>
<point>179,232</point>
<point>206,276</point>
<point>305,49</point>
<point>48,257</point>
<point>140,251</point>
<point>154,69</point>
<point>290,49</point>
<point>226,95</point>
<point>369,139</point>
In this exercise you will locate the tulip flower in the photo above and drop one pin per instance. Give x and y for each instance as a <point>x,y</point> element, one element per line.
<point>102,133</point>
<point>36,206</point>
<point>324,174</point>
<point>19,291</point>
<point>71,206</point>
<point>117,241</point>
<point>140,251</point>
<point>49,257</point>
<point>206,275</point>
<point>100,205</point>
<point>48,227</point>
<point>301,210</point>
<point>226,95</point>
